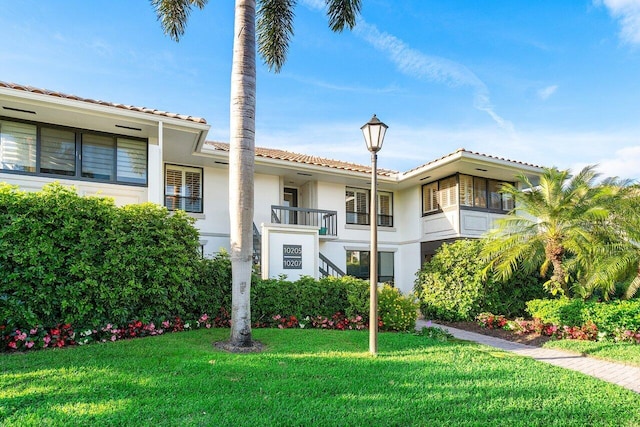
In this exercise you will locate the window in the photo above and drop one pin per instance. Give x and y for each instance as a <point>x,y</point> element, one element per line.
<point>358,265</point>
<point>17,146</point>
<point>183,188</point>
<point>57,151</point>
<point>44,150</point>
<point>358,205</point>
<point>430,198</point>
<point>385,209</point>
<point>466,191</point>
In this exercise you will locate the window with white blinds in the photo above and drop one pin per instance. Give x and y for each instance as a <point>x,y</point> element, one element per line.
<point>385,209</point>
<point>41,149</point>
<point>448,192</point>
<point>430,198</point>
<point>17,146</point>
<point>467,191</point>
<point>183,188</point>
<point>57,152</point>
<point>132,160</point>
<point>98,155</point>
<point>357,206</point>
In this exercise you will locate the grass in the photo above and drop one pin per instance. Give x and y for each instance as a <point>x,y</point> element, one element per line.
<point>304,378</point>
<point>626,353</point>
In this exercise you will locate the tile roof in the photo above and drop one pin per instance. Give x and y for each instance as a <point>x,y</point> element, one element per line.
<point>270,153</point>
<point>475,153</point>
<point>31,89</point>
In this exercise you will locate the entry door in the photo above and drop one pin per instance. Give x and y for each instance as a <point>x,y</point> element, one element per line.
<point>290,200</point>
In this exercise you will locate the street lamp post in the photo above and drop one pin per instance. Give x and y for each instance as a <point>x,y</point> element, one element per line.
<point>374,132</point>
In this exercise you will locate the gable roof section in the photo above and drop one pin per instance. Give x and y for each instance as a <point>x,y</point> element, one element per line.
<point>51,93</point>
<point>270,153</point>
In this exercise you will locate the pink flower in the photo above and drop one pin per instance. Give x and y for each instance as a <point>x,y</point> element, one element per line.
<point>12,344</point>
<point>21,336</point>
<point>208,325</point>
<point>47,340</point>
<point>33,331</point>
<point>204,318</point>
<point>113,337</point>
<point>30,344</point>
<point>166,324</point>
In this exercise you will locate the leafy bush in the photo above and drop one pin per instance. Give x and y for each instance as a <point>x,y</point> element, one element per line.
<point>451,286</point>
<point>396,311</point>
<point>562,311</point>
<point>67,259</point>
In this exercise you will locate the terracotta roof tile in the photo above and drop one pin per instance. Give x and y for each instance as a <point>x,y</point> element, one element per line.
<point>270,153</point>
<point>31,89</point>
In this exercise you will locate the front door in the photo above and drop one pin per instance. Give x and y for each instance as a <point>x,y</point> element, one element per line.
<point>290,200</point>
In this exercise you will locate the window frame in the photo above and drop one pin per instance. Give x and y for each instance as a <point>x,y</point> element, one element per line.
<point>78,154</point>
<point>183,169</point>
<point>364,271</point>
<point>438,198</point>
<point>364,218</point>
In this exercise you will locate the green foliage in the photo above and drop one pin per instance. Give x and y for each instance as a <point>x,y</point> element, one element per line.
<point>397,312</point>
<point>610,317</point>
<point>452,285</point>
<point>82,260</point>
<point>308,297</point>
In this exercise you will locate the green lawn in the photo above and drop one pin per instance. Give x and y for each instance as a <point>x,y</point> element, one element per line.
<point>627,353</point>
<point>304,378</point>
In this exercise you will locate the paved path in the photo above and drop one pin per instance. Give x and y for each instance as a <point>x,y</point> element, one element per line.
<point>616,373</point>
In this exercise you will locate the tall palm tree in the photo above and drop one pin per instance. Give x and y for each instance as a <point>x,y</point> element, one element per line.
<point>275,28</point>
<point>553,226</point>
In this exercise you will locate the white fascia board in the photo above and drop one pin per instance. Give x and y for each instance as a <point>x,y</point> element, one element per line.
<point>84,107</point>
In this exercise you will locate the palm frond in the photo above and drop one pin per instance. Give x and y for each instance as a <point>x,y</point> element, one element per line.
<point>342,13</point>
<point>173,15</point>
<point>275,28</point>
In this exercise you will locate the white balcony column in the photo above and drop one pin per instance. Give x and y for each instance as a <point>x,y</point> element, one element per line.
<point>156,168</point>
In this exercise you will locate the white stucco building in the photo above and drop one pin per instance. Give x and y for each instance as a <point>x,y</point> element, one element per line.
<point>311,214</point>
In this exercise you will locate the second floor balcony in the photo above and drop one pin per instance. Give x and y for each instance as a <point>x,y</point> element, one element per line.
<point>326,221</point>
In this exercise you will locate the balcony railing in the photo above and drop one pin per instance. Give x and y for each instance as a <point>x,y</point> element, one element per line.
<point>326,221</point>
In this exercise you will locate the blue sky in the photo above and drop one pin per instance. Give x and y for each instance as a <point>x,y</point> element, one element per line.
<point>547,82</point>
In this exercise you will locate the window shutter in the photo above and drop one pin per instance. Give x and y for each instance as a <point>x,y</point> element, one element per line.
<point>466,190</point>
<point>193,191</point>
<point>173,189</point>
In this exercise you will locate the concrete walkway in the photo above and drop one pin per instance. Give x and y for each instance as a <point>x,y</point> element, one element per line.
<point>616,373</point>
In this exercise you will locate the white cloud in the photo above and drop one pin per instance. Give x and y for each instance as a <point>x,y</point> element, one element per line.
<point>546,92</point>
<point>624,164</point>
<point>422,66</point>
<point>628,13</point>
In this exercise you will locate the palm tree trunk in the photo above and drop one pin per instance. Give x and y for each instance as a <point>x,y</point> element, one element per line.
<point>555,252</point>
<point>241,169</point>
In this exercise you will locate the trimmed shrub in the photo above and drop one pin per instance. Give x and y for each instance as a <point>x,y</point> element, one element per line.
<point>82,260</point>
<point>451,286</point>
<point>611,318</point>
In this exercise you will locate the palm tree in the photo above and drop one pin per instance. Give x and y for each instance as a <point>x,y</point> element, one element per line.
<point>618,260</point>
<point>554,225</point>
<point>275,27</point>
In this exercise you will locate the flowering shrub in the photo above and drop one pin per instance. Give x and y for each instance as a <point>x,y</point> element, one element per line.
<point>491,321</point>
<point>286,322</point>
<point>397,312</point>
<point>337,321</point>
<point>586,332</point>
<point>627,336</point>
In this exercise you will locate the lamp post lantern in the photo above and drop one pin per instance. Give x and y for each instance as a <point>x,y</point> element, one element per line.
<point>374,132</point>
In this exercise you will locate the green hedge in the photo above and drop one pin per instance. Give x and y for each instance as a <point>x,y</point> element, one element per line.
<point>85,262</point>
<point>609,317</point>
<point>82,260</point>
<point>451,286</point>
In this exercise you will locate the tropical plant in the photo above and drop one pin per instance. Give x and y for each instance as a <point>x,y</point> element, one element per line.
<point>556,225</point>
<point>275,27</point>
